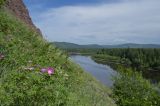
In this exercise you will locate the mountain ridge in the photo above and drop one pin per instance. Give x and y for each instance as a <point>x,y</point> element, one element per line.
<point>67,45</point>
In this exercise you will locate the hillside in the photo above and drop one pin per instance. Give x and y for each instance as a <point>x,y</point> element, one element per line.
<point>66,45</point>
<point>24,55</point>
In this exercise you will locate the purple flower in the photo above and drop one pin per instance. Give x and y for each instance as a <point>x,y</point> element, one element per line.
<point>43,70</point>
<point>49,70</point>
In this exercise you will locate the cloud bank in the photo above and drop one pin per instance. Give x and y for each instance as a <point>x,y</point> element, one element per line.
<point>136,21</point>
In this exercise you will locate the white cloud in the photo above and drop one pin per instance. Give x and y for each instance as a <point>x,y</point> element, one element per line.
<point>136,21</point>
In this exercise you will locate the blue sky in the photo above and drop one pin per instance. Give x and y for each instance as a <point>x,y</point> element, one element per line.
<point>97,21</point>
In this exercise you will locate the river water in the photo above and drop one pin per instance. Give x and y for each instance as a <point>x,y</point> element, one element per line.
<point>103,73</point>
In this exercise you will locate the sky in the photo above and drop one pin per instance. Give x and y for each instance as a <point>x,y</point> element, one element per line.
<point>97,21</point>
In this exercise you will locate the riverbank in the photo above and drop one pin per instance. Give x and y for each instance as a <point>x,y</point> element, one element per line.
<point>116,62</point>
<point>129,86</point>
<point>110,60</point>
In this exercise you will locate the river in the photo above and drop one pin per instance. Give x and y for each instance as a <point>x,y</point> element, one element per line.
<point>103,73</point>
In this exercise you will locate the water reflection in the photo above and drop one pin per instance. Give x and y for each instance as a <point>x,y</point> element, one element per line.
<point>103,73</point>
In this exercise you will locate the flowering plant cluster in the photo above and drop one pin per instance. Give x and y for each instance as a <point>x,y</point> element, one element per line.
<point>49,70</point>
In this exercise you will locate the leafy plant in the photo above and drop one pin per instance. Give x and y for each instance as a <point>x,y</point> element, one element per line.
<point>130,89</point>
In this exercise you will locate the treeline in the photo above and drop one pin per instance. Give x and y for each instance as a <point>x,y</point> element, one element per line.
<point>140,59</point>
<point>89,51</point>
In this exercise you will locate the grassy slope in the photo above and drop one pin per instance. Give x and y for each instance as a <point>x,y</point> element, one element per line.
<point>23,48</point>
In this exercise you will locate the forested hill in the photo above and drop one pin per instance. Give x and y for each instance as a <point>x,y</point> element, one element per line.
<point>66,45</point>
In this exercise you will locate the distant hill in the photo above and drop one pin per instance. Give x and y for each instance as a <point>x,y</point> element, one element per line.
<point>66,45</point>
<point>132,45</point>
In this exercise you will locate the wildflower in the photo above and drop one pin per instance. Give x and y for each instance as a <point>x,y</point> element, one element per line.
<point>43,70</point>
<point>1,56</point>
<point>50,71</point>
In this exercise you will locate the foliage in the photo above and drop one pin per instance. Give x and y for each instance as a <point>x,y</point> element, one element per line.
<point>2,2</point>
<point>110,60</point>
<point>130,89</point>
<point>26,88</point>
<point>140,59</point>
<point>23,49</point>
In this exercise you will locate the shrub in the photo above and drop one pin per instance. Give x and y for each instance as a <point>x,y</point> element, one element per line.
<point>130,89</point>
<point>32,88</point>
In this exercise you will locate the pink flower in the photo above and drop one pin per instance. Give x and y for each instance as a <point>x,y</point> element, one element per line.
<point>50,71</point>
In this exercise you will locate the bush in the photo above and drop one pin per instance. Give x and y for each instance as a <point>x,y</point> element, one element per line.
<point>2,2</point>
<point>32,88</point>
<point>130,89</point>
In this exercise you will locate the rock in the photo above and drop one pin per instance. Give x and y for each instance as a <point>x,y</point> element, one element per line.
<point>18,8</point>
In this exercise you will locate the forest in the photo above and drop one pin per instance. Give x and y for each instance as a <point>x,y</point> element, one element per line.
<point>146,61</point>
<point>140,59</point>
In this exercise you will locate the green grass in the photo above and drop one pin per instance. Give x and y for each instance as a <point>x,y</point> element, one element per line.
<point>23,48</point>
